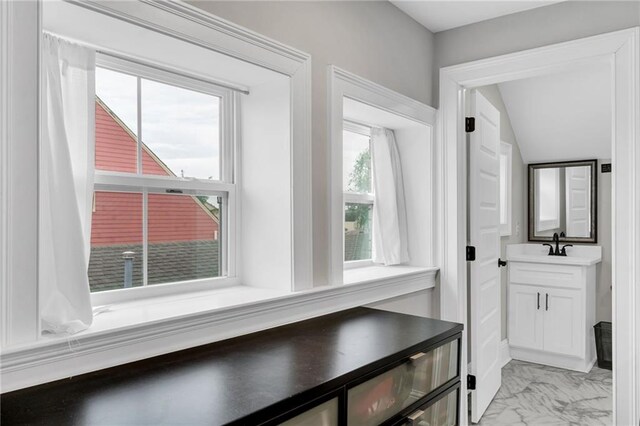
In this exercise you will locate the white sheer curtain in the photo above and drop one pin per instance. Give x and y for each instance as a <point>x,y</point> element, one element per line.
<point>66,185</point>
<point>390,216</point>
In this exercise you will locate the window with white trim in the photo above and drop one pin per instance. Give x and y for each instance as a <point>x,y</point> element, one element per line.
<point>358,196</point>
<point>164,182</point>
<point>548,192</point>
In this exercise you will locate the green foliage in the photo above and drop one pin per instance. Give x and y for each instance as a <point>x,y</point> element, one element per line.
<point>360,181</point>
<point>205,201</point>
<point>360,177</point>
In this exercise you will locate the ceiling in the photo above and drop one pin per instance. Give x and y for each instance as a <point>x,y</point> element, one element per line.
<point>563,116</point>
<point>443,15</point>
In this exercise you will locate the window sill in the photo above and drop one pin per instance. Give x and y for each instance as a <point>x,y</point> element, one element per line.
<point>131,331</point>
<point>375,273</point>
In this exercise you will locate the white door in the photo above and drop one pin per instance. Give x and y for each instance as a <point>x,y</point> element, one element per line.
<point>525,316</point>
<point>484,234</point>
<point>578,204</point>
<point>562,321</point>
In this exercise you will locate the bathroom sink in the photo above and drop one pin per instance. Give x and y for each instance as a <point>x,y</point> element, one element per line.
<point>537,253</point>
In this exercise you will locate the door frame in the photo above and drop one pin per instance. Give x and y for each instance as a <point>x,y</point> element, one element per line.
<point>622,50</point>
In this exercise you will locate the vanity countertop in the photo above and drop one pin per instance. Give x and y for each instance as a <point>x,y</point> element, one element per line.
<point>233,380</point>
<point>537,253</point>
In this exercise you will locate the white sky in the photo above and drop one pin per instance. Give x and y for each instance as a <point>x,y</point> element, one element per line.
<point>352,145</point>
<point>180,126</point>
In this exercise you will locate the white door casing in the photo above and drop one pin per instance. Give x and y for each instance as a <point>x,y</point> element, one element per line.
<point>484,233</point>
<point>622,49</point>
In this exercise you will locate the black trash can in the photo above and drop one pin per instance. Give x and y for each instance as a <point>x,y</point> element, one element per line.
<point>603,344</point>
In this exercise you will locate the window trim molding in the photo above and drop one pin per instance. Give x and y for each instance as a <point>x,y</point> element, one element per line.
<point>341,84</point>
<point>206,30</point>
<point>22,71</point>
<point>145,184</point>
<point>19,145</point>
<point>49,360</point>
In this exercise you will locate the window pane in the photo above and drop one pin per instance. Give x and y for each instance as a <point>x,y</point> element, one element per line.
<point>180,131</point>
<point>357,231</point>
<point>184,238</point>
<point>356,162</point>
<point>548,183</point>
<point>116,241</point>
<point>116,121</point>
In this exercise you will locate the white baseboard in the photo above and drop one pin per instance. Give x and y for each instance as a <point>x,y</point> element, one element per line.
<point>553,360</point>
<point>505,353</point>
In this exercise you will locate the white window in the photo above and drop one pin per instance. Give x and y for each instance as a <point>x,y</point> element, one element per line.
<point>548,194</point>
<point>506,159</point>
<point>357,175</point>
<point>164,186</point>
<point>400,130</point>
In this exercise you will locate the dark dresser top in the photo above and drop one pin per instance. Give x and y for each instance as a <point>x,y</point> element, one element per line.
<point>226,381</point>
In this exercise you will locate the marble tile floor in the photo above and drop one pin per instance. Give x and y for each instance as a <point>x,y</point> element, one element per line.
<point>533,394</point>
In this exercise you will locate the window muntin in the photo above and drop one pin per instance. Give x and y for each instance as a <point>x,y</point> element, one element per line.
<point>181,119</point>
<point>358,197</point>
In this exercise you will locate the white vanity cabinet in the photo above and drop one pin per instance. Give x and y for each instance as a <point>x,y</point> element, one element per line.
<point>551,306</point>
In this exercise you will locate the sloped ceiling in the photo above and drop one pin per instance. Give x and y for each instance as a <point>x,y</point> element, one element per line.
<point>563,116</point>
<point>438,16</point>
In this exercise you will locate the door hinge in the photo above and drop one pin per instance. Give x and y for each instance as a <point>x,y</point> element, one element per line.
<point>471,382</point>
<point>471,253</point>
<point>469,124</point>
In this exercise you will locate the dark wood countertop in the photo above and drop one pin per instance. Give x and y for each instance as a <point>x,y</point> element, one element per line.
<point>227,381</point>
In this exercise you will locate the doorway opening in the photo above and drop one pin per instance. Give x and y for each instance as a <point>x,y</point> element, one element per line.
<point>539,216</point>
<point>620,49</point>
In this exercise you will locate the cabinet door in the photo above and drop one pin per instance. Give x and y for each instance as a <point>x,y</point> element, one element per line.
<point>442,412</point>
<point>525,316</point>
<point>321,415</point>
<point>562,321</point>
<point>380,398</point>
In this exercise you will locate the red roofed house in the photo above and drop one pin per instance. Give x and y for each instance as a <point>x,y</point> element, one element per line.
<point>182,230</point>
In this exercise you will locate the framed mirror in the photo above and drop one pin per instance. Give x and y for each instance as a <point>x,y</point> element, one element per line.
<point>563,200</point>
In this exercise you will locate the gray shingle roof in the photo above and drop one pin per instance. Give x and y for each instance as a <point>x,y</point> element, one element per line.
<point>168,262</point>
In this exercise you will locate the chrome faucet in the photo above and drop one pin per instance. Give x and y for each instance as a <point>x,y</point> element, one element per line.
<point>558,251</point>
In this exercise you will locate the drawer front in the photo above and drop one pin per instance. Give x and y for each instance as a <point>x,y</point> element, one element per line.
<point>441,412</point>
<point>546,275</point>
<point>385,395</point>
<point>325,414</point>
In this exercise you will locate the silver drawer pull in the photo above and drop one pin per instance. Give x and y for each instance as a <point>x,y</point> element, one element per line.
<point>417,356</point>
<point>414,416</point>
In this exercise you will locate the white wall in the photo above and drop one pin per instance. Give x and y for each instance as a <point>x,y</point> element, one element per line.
<point>415,148</point>
<point>605,230</point>
<point>374,40</point>
<point>560,22</point>
<point>265,227</point>
<point>519,193</point>
<point>420,303</point>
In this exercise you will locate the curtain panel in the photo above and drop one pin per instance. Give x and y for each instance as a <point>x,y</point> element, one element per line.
<point>390,216</point>
<point>66,185</point>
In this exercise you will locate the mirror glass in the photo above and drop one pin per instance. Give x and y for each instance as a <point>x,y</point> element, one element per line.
<point>562,200</point>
